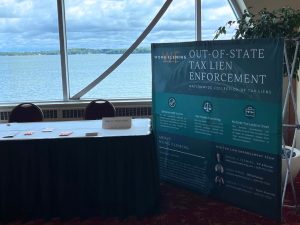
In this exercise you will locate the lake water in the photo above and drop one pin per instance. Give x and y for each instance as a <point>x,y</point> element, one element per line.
<point>38,78</point>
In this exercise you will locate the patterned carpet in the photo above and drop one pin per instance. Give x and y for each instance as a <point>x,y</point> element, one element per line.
<point>181,207</point>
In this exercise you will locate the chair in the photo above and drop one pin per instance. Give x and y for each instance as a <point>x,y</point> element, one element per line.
<point>99,108</point>
<point>26,112</point>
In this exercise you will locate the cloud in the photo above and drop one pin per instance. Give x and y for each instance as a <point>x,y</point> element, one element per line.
<point>14,8</point>
<point>32,24</point>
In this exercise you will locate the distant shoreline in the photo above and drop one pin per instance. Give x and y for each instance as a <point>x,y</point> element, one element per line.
<point>77,51</point>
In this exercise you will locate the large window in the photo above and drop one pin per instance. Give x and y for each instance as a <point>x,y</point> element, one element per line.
<point>29,59</point>
<point>110,27</point>
<point>215,13</point>
<point>97,33</point>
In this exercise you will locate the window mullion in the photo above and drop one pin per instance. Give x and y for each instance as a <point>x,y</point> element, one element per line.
<point>63,49</point>
<point>198,20</point>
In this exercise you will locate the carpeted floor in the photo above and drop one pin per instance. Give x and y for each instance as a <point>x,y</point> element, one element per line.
<point>181,207</point>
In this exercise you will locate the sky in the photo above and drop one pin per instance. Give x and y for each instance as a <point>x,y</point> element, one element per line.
<point>31,25</point>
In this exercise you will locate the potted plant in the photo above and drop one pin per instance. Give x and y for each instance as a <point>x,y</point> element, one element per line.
<point>283,23</point>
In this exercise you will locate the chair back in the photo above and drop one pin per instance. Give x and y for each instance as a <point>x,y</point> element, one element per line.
<point>26,112</point>
<point>98,109</point>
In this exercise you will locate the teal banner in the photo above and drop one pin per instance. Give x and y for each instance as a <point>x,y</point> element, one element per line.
<point>217,119</point>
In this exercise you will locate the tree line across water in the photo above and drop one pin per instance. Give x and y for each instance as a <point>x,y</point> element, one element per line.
<point>77,51</point>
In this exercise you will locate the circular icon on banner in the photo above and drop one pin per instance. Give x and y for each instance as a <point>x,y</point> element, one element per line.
<point>172,102</point>
<point>219,180</point>
<point>219,167</point>
<point>207,106</point>
<point>249,111</point>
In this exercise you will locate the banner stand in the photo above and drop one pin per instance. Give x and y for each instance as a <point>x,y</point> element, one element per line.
<point>212,102</point>
<point>296,126</point>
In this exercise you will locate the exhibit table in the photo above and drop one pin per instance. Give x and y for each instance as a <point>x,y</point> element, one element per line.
<point>45,174</point>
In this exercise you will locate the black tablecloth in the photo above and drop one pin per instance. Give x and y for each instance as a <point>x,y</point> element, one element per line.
<point>78,177</point>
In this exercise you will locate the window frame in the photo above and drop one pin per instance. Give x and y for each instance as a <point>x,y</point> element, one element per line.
<point>64,55</point>
<point>63,44</point>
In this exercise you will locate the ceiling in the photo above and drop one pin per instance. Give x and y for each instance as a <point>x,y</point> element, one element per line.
<point>257,5</point>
